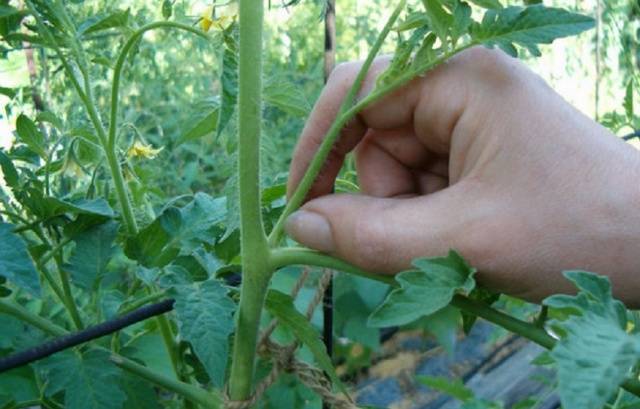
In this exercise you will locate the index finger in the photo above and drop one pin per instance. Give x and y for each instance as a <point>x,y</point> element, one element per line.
<point>397,112</point>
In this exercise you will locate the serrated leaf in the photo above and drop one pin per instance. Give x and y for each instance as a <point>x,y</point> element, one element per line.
<point>228,79</point>
<point>140,393</point>
<point>440,20</point>
<point>413,20</point>
<point>203,127</point>
<point>89,380</point>
<point>451,387</point>
<point>425,291</point>
<point>93,251</point>
<point>30,135</point>
<point>9,171</point>
<point>527,27</point>
<point>15,263</point>
<point>281,306</point>
<point>205,319</point>
<point>97,24</point>
<point>153,246</point>
<point>596,353</point>
<point>287,97</point>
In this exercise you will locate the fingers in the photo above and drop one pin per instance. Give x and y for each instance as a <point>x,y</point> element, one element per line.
<point>398,112</point>
<point>383,234</point>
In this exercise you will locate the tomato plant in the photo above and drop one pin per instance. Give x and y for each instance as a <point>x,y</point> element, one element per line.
<point>75,256</point>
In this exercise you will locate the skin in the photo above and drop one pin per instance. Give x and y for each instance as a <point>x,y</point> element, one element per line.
<point>482,156</point>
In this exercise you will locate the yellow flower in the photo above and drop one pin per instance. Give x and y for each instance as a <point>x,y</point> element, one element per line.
<point>219,19</point>
<point>140,150</point>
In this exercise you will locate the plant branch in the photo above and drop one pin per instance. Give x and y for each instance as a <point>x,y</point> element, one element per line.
<point>192,393</point>
<point>345,114</point>
<point>119,66</point>
<point>301,256</point>
<point>255,254</point>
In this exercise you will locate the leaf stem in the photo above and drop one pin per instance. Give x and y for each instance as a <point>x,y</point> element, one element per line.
<point>86,97</point>
<point>302,256</point>
<point>192,393</point>
<point>345,114</point>
<point>255,254</point>
<point>117,71</point>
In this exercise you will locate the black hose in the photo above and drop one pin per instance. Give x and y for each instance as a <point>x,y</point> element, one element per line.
<point>68,341</point>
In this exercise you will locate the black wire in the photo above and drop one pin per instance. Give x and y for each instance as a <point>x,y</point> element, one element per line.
<point>68,341</point>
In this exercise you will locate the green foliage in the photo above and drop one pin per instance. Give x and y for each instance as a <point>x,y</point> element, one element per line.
<point>282,308</point>
<point>66,193</point>
<point>596,352</point>
<point>424,291</point>
<point>527,27</point>
<point>205,320</point>
<point>89,380</point>
<point>93,251</point>
<point>454,388</point>
<point>15,263</point>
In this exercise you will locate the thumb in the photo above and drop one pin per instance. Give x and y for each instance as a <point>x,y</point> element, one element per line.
<point>382,235</point>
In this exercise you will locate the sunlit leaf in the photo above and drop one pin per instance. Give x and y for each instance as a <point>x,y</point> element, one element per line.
<point>595,353</point>
<point>527,27</point>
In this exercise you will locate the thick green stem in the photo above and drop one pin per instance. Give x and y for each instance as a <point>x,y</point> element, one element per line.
<point>255,254</point>
<point>301,256</point>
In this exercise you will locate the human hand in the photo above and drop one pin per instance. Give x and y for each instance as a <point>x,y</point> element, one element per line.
<point>481,156</point>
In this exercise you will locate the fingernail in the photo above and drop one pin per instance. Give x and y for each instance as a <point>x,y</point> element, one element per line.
<point>310,229</point>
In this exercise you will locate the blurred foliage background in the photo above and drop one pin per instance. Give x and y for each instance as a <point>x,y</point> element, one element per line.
<point>174,80</point>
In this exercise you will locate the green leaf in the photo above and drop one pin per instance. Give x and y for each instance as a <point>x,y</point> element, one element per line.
<point>94,248</point>
<point>487,4</point>
<point>287,97</point>
<point>228,79</point>
<point>89,380</point>
<point>595,353</point>
<point>443,325</point>
<point>19,384</point>
<point>425,291</point>
<point>6,11</point>
<point>281,306</point>
<point>205,319</point>
<point>30,135</point>
<point>527,27</point>
<point>203,127</point>
<point>451,387</point>
<point>113,20</point>
<point>167,9</point>
<point>153,246</point>
<point>628,101</point>
<point>15,263</point>
<point>439,19</point>
<point>9,171</point>
<point>140,393</point>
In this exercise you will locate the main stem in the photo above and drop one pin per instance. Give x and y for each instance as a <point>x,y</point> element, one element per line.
<point>256,271</point>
